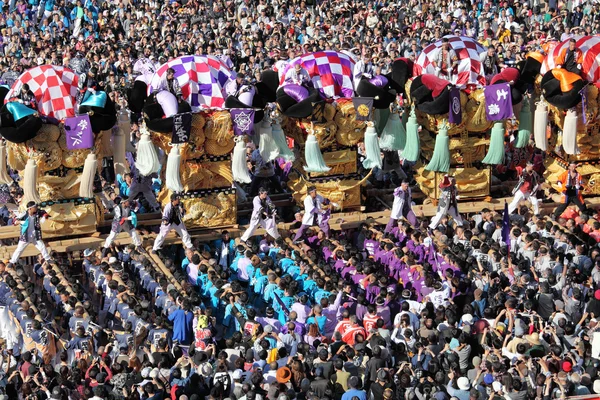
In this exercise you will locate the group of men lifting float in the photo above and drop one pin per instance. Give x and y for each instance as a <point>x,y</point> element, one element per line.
<point>317,210</point>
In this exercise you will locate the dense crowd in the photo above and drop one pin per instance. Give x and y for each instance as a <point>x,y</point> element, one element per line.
<point>450,309</point>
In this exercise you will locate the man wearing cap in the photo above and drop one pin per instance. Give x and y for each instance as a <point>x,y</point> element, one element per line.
<point>172,218</point>
<point>526,189</point>
<point>31,231</point>
<point>571,58</point>
<point>570,184</point>
<point>263,214</point>
<point>124,219</point>
<point>447,203</point>
<point>297,75</point>
<point>402,207</point>
<point>312,211</point>
<point>445,61</point>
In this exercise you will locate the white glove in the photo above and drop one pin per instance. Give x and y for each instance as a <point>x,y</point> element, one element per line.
<point>559,66</point>
<point>336,205</point>
<point>128,218</point>
<point>457,197</point>
<point>579,66</point>
<point>559,184</point>
<point>449,71</point>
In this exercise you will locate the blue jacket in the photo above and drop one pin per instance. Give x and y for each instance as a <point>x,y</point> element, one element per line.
<point>183,330</point>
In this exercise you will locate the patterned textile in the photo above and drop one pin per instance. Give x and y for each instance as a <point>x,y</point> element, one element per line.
<point>330,72</point>
<point>202,80</point>
<point>54,88</point>
<point>470,69</point>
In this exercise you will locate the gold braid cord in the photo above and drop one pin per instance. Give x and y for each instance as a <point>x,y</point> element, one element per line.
<point>216,209</point>
<point>471,182</point>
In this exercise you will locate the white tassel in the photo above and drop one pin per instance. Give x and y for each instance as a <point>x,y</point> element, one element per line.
<point>173,175</point>
<point>313,156</point>
<point>124,122</point>
<point>267,146</point>
<point>147,159</point>
<point>569,140</point>
<point>4,176</point>
<point>30,186</point>
<point>119,149</point>
<point>86,186</point>
<point>239,166</point>
<point>540,122</point>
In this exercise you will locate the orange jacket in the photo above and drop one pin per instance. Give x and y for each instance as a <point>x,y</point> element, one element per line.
<point>560,60</point>
<point>564,180</point>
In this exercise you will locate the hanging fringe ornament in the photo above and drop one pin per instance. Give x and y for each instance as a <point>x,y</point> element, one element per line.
<point>240,193</point>
<point>119,149</point>
<point>525,125</point>
<point>4,176</point>
<point>239,166</point>
<point>173,175</point>
<point>90,168</point>
<point>147,159</point>
<point>381,119</point>
<point>393,136</point>
<point>495,153</point>
<point>440,160</point>
<point>540,122</point>
<point>267,146</point>
<point>312,154</point>
<point>30,186</point>
<point>569,139</point>
<point>284,151</point>
<point>412,149</point>
<point>124,122</point>
<point>372,149</point>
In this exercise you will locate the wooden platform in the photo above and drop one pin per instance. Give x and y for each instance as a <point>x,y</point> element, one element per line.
<point>338,221</point>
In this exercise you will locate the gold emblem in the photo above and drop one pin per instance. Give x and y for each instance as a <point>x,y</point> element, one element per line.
<point>363,110</point>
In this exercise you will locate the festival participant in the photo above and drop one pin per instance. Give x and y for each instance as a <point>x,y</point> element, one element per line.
<point>171,84</point>
<point>447,202</point>
<point>297,75</point>
<point>234,86</point>
<point>402,207</point>
<point>526,189</point>
<point>27,97</point>
<point>570,183</point>
<point>124,220</point>
<point>445,61</point>
<point>172,218</point>
<point>263,214</point>
<point>491,63</point>
<point>364,68</point>
<point>31,221</point>
<point>570,59</point>
<point>312,210</point>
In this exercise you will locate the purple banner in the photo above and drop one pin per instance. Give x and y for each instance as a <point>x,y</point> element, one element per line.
<point>455,113</point>
<point>498,102</point>
<point>243,121</point>
<point>78,132</point>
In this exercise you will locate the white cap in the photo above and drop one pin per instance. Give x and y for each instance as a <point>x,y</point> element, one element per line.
<point>237,374</point>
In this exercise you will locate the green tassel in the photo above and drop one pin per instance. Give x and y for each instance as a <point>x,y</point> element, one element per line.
<point>525,126</point>
<point>381,118</point>
<point>393,136</point>
<point>279,137</point>
<point>372,149</point>
<point>440,161</point>
<point>412,149</point>
<point>495,153</point>
<point>313,156</point>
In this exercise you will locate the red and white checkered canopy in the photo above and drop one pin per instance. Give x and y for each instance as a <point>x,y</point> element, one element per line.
<point>589,46</point>
<point>54,87</point>
<point>468,51</point>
